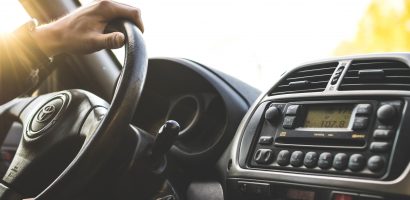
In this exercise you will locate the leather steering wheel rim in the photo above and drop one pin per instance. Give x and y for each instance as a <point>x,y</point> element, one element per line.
<point>123,105</point>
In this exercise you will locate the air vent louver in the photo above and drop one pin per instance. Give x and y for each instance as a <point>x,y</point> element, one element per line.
<point>376,75</point>
<point>312,78</point>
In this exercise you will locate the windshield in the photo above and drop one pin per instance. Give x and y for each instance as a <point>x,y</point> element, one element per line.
<point>256,41</point>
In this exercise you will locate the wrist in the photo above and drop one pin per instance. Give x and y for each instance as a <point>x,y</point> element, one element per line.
<point>46,37</point>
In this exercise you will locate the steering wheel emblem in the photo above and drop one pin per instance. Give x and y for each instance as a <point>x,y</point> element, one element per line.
<point>45,113</point>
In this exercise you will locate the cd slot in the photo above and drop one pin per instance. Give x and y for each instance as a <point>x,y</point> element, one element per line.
<point>319,142</point>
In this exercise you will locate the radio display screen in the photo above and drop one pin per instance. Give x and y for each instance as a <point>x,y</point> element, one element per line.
<point>328,116</point>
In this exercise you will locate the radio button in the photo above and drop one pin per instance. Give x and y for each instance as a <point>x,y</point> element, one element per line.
<point>310,159</point>
<point>325,160</point>
<point>360,123</point>
<point>265,140</point>
<point>382,134</point>
<point>375,163</point>
<point>289,122</point>
<point>379,147</point>
<point>296,159</point>
<point>340,161</point>
<point>386,114</point>
<point>292,110</point>
<point>364,109</point>
<point>273,114</point>
<point>263,156</point>
<point>283,158</point>
<point>356,162</point>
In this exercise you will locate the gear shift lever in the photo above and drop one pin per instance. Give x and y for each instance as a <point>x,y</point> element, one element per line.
<point>165,139</point>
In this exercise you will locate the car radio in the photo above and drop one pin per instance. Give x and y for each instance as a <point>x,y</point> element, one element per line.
<point>353,137</point>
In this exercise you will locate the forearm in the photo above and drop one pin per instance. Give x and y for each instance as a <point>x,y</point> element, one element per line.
<point>21,61</point>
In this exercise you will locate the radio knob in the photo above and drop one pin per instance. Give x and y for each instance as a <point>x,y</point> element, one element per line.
<point>283,158</point>
<point>325,160</point>
<point>273,114</point>
<point>340,161</point>
<point>375,163</point>
<point>310,159</point>
<point>296,159</point>
<point>386,114</point>
<point>356,162</point>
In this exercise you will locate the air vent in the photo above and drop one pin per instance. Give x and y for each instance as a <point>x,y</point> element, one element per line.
<point>312,78</point>
<point>376,75</point>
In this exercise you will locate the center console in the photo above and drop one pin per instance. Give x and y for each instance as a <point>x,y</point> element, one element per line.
<point>335,129</point>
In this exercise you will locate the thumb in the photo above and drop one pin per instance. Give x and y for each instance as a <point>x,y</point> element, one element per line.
<point>113,40</point>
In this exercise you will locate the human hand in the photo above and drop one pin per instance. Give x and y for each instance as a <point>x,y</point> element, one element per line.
<point>81,32</point>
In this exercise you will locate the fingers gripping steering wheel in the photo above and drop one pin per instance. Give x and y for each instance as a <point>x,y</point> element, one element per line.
<point>71,134</point>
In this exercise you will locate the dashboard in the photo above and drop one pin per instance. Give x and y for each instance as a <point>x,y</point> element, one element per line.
<point>327,130</point>
<point>332,129</point>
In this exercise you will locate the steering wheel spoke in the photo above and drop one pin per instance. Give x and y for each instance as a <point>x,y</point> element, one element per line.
<point>15,106</point>
<point>10,112</point>
<point>93,120</point>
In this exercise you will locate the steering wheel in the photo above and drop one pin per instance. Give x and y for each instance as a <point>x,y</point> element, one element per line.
<point>72,134</point>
